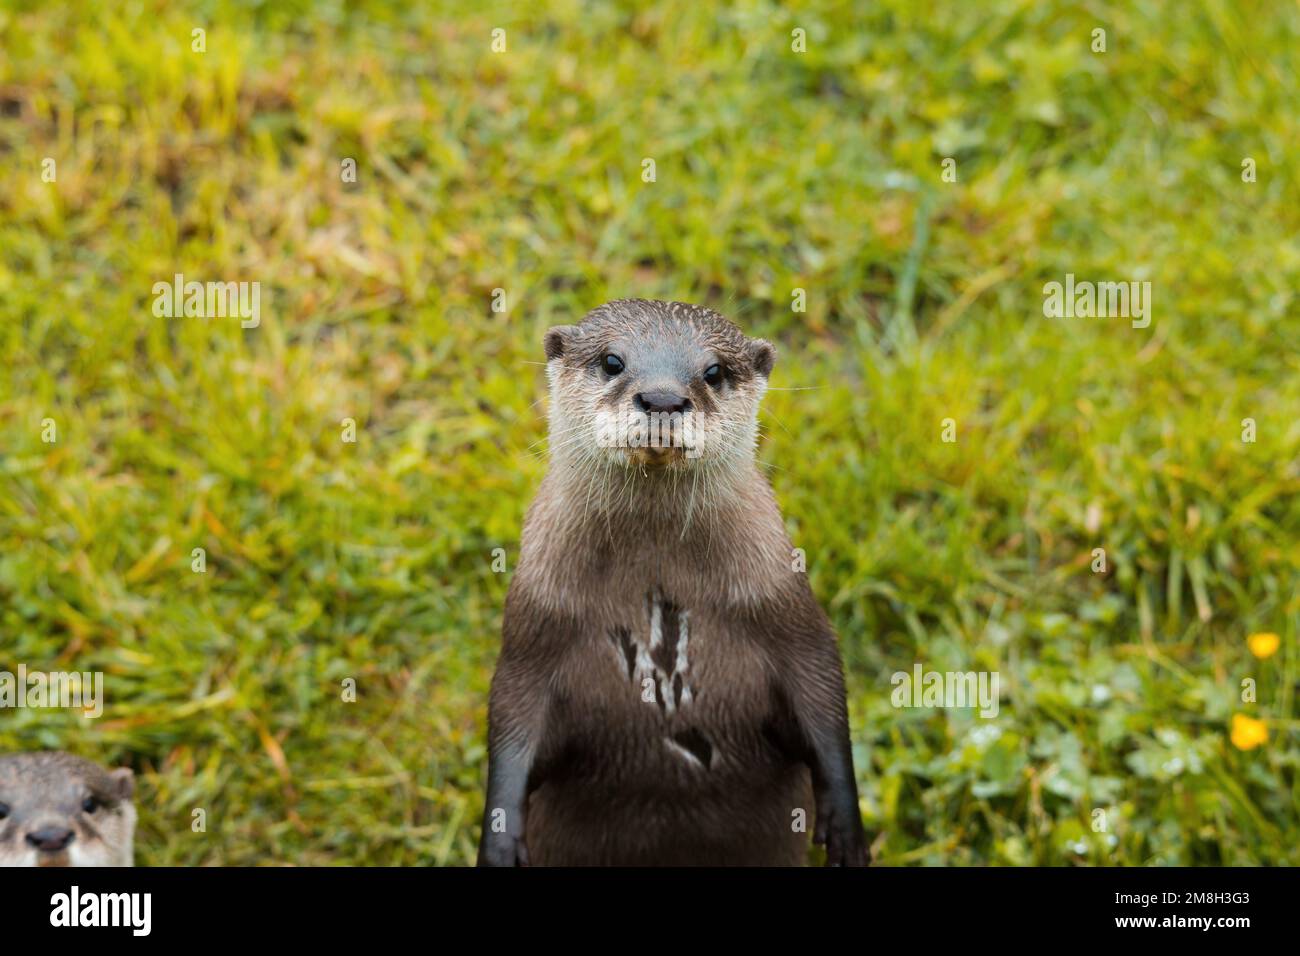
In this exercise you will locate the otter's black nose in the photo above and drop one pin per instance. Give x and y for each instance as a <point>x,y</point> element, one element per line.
<point>50,838</point>
<point>662,402</point>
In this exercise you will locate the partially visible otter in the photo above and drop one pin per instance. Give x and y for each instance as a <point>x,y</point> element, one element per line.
<point>669,691</point>
<point>60,810</point>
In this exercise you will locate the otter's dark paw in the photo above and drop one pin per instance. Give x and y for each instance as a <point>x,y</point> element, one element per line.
<point>502,849</point>
<point>841,832</point>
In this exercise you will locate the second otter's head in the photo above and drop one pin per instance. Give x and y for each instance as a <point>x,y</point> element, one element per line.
<point>655,386</point>
<point>60,810</point>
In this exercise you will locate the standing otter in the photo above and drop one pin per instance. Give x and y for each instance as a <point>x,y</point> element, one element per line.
<point>60,810</point>
<point>669,691</point>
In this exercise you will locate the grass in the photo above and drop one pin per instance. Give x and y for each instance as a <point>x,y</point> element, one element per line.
<point>775,171</point>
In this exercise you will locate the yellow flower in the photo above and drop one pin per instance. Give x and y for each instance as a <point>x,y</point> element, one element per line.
<point>1263,645</point>
<point>1247,732</point>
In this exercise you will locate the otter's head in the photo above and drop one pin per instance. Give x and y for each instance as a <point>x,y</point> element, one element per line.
<point>655,386</point>
<point>60,810</point>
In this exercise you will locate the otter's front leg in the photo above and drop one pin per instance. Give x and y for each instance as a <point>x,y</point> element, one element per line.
<point>814,689</point>
<point>839,825</point>
<point>504,813</point>
<point>516,723</point>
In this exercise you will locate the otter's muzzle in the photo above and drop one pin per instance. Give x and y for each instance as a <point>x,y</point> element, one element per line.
<point>50,839</point>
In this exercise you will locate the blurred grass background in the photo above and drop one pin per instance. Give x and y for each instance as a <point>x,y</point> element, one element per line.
<point>775,171</point>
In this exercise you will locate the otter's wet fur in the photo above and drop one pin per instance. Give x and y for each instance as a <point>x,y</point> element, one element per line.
<point>669,691</point>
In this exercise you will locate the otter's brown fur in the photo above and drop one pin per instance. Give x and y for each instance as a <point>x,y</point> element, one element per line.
<point>667,679</point>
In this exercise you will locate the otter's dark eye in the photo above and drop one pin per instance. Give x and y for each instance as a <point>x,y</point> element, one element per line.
<point>4,810</point>
<point>612,364</point>
<point>90,804</point>
<point>713,375</point>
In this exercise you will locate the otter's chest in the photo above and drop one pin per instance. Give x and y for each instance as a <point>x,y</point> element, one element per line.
<point>691,682</point>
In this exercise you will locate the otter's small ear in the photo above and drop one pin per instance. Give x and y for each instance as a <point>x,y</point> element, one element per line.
<point>763,355</point>
<point>556,340</point>
<point>123,782</point>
